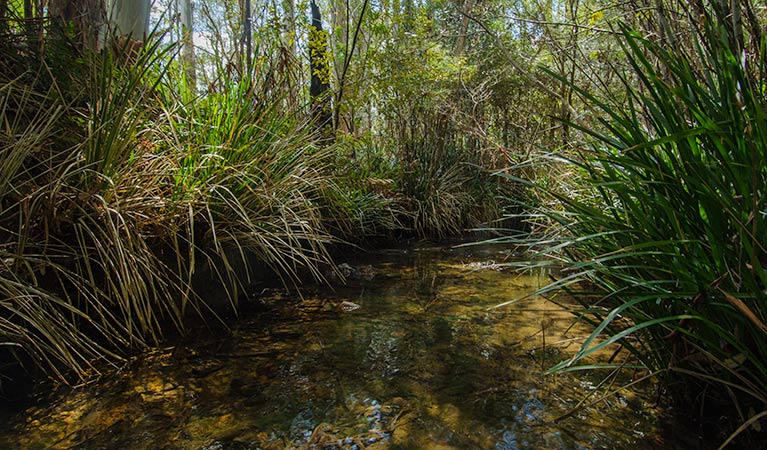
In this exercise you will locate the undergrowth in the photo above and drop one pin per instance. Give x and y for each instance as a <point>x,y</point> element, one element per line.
<point>663,242</point>
<point>131,204</point>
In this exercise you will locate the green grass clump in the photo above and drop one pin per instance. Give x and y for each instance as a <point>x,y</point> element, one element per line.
<point>116,198</point>
<point>251,174</point>
<point>363,201</point>
<point>664,239</point>
<point>447,187</point>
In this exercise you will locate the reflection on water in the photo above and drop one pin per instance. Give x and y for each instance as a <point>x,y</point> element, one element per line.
<point>406,356</point>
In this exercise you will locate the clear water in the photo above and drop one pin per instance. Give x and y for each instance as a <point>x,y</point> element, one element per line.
<point>407,355</point>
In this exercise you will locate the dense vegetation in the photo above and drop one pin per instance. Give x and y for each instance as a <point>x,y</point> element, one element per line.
<point>137,165</point>
<point>135,173</point>
<point>663,240</point>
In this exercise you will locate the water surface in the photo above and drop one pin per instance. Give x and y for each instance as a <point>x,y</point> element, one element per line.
<point>407,355</point>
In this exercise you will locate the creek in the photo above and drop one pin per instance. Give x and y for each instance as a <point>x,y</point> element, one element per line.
<point>408,354</point>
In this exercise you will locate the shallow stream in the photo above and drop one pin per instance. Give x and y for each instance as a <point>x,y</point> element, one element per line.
<point>407,355</point>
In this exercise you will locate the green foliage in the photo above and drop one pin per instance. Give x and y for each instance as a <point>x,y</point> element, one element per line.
<point>33,318</point>
<point>80,278</point>
<point>319,54</point>
<point>442,159</point>
<point>252,173</point>
<point>668,232</point>
<point>122,188</point>
<point>120,96</point>
<point>447,188</point>
<point>109,219</point>
<point>363,200</point>
<point>100,241</point>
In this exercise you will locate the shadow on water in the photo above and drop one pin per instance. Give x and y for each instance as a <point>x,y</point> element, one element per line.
<point>407,355</point>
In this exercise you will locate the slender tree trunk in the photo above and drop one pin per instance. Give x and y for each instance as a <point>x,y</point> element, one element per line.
<point>29,25</point>
<point>349,50</point>
<point>396,11</point>
<point>340,33</point>
<point>339,38</point>
<point>571,15</point>
<point>754,26</point>
<point>732,20</point>
<point>83,20</point>
<point>408,10</point>
<point>187,38</point>
<point>27,10</point>
<point>3,15</point>
<point>319,64</point>
<point>28,15</point>
<point>289,64</point>
<point>247,35</point>
<point>736,36</point>
<point>467,6</point>
<point>129,19</point>
<point>289,33</point>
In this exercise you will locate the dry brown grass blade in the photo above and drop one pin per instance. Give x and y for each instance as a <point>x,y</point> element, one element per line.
<point>741,306</point>
<point>743,427</point>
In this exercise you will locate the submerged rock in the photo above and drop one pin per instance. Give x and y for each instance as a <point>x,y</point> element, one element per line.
<point>485,265</point>
<point>346,270</point>
<point>364,272</point>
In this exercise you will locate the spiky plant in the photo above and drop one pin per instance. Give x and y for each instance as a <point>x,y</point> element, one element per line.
<point>664,241</point>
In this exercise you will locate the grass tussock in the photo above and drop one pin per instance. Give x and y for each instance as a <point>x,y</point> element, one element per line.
<point>114,199</point>
<point>664,243</point>
<point>131,203</point>
<point>448,187</point>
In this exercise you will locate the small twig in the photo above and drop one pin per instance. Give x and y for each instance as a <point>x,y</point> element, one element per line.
<point>543,351</point>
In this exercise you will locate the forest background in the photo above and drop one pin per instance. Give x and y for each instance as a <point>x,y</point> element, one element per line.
<point>147,148</point>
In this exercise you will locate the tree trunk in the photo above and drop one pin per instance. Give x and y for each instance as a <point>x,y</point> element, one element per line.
<point>320,67</point>
<point>460,43</point>
<point>289,64</point>
<point>3,14</point>
<point>28,19</point>
<point>129,19</point>
<point>571,55</point>
<point>755,27</point>
<point>340,33</point>
<point>408,12</point>
<point>396,12</point>
<point>349,49</point>
<point>736,36</point>
<point>732,19</point>
<point>82,20</point>
<point>247,35</point>
<point>289,33</point>
<point>187,50</point>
